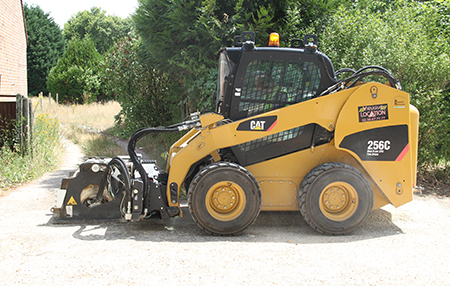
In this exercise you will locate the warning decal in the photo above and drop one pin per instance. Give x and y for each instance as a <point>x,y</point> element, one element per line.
<point>72,201</point>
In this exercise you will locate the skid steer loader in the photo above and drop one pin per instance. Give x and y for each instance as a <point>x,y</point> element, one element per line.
<point>287,135</point>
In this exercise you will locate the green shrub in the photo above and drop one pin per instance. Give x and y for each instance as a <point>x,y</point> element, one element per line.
<point>77,75</point>
<point>142,91</point>
<point>408,39</point>
<point>8,132</point>
<point>46,153</point>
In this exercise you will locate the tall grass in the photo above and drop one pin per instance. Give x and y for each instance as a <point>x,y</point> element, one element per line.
<point>94,116</point>
<point>85,125</point>
<point>46,152</point>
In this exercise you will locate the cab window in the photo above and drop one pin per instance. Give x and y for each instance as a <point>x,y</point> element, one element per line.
<point>272,84</point>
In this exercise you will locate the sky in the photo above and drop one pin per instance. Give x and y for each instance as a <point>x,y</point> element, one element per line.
<point>61,11</point>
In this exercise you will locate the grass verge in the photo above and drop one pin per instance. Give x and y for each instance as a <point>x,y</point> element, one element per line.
<point>17,168</point>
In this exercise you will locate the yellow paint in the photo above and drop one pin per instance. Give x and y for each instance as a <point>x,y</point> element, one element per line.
<point>225,201</point>
<point>336,112</point>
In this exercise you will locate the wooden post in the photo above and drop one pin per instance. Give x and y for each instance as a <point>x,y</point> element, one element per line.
<point>40,96</point>
<point>19,121</point>
<point>50,98</point>
<point>30,106</point>
<point>56,98</point>
<point>26,127</point>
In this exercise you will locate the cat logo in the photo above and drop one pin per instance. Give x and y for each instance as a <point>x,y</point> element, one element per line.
<point>72,201</point>
<point>266,123</point>
<point>257,125</point>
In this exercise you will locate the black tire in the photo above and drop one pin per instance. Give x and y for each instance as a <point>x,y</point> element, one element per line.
<point>224,198</point>
<point>335,198</point>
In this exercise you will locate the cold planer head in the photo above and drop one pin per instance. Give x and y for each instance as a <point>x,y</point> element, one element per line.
<point>79,197</point>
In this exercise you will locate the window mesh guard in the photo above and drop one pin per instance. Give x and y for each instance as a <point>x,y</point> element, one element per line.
<point>271,139</point>
<point>270,85</point>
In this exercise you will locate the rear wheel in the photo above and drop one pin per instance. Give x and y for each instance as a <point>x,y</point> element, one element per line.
<point>224,198</point>
<point>335,198</point>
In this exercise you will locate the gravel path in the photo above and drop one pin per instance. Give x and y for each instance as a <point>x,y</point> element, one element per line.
<point>405,246</point>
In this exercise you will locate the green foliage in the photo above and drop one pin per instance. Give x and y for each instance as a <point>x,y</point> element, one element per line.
<point>406,40</point>
<point>9,132</point>
<point>101,146</point>
<point>409,39</point>
<point>183,38</point>
<point>308,17</point>
<point>45,45</point>
<point>18,168</point>
<point>434,143</point>
<point>142,91</point>
<point>77,77</point>
<point>104,30</point>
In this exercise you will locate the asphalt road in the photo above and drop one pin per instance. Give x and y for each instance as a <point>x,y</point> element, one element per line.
<point>405,246</point>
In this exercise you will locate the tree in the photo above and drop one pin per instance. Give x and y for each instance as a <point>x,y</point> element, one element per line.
<point>142,91</point>
<point>45,45</point>
<point>77,75</point>
<point>182,38</point>
<point>104,30</point>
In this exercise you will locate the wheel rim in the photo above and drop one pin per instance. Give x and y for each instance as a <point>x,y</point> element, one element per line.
<point>338,201</point>
<point>225,201</point>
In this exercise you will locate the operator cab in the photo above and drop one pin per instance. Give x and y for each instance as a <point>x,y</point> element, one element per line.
<point>254,80</point>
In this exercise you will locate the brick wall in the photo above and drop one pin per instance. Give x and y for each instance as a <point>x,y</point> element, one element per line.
<point>13,48</point>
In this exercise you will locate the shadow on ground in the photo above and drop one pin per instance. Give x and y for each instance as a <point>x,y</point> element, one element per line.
<point>278,227</point>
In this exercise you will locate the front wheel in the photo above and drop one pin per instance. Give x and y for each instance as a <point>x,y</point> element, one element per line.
<point>224,198</point>
<point>335,198</point>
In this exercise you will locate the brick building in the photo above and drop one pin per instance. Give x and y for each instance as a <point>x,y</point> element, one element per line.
<point>13,48</point>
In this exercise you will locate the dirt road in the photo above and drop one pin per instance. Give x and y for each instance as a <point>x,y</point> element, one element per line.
<point>405,246</point>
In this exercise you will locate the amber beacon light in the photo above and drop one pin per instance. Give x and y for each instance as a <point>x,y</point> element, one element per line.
<point>274,40</point>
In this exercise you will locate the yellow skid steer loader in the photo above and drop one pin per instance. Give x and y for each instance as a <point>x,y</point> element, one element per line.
<point>287,135</point>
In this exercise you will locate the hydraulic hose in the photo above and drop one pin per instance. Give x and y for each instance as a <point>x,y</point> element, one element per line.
<point>120,164</point>
<point>360,74</point>
<point>137,135</point>
<point>373,67</point>
<point>338,73</point>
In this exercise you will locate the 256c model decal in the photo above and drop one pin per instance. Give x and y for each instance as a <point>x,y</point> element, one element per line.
<point>383,144</point>
<point>376,147</point>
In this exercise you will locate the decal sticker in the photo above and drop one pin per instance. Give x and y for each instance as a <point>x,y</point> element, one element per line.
<point>375,147</point>
<point>373,112</point>
<point>379,144</point>
<point>258,124</point>
<point>402,154</point>
<point>237,91</point>
<point>72,201</point>
<point>69,211</point>
<point>399,102</point>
